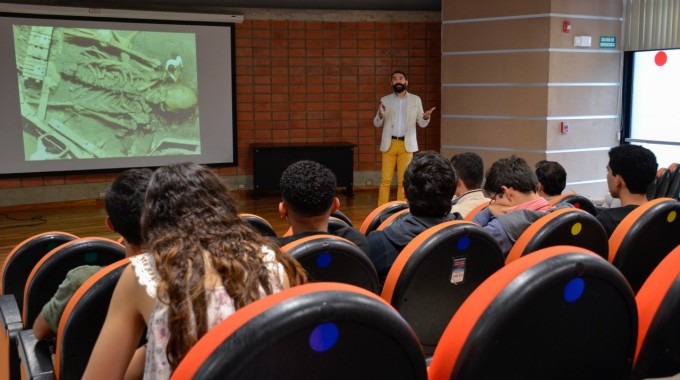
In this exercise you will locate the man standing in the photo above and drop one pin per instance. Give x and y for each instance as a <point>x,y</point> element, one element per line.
<point>398,113</point>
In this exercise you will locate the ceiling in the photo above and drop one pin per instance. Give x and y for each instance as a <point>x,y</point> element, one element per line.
<point>213,5</point>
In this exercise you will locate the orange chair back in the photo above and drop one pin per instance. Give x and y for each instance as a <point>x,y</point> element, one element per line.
<point>327,257</point>
<point>436,272</point>
<point>379,214</point>
<point>644,237</point>
<point>317,330</point>
<point>658,346</point>
<point>51,270</point>
<point>566,226</point>
<point>559,313</point>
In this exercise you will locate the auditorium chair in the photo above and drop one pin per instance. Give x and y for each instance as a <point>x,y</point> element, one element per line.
<point>662,183</point>
<point>379,214</point>
<point>658,346</point>
<point>565,226</point>
<point>15,271</point>
<point>334,224</point>
<point>332,258</point>
<point>470,215</point>
<point>10,321</point>
<point>390,219</point>
<point>21,260</point>
<point>674,181</point>
<point>50,271</point>
<point>48,274</point>
<point>560,313</point>
<point>644,237</point>
<point>328,331</point>
<point>340,215</point>
<point>78,330</point>
<point>436,272</point>
<point>259,223</point>
<point>654,185</point>
<point>576,200</point>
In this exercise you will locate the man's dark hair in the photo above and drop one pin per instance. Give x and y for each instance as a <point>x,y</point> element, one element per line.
<point>429,185</point>
<point>635,164</point>
<point>399,72</point>
<point>512,172</point>
<point>308,188</point>
<point>552,176</point>
<point>124,203</point>
<point>469,168</point>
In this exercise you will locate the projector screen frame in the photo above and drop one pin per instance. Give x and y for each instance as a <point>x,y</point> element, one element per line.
<point>227,126</point>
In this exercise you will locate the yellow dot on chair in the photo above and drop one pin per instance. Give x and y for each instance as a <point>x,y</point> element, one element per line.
<point>576,229</point>
<point>671,216</point>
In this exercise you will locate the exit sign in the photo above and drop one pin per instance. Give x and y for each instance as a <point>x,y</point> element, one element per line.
<point>608,42</point>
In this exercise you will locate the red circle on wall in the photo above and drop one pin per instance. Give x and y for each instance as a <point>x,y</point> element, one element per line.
<point>660,58</point>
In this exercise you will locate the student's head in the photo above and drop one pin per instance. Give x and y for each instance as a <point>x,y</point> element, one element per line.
<point>635,164</point>
<point>429,185</point>
<point>469,169</point>
<point>186,194</point>
<point>552,178</point>
<point>192,226</point>
<point>308,188</point>
<point>124,202</point>
<point>512,172</point>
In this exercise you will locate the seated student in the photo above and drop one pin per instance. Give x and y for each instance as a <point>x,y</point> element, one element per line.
<point>631,169</point>
<point>123,201</point>
<point>515,204</point>
<point>428,188</point>
<point>552,178</point>
<point>203,263</point>
<point>308,193</point>
<point>469,168</point>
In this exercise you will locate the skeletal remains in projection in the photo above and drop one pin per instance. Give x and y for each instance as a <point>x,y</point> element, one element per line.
<point>121,86</point>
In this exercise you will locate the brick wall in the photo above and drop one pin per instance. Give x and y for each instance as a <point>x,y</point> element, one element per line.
<point>315,81</point>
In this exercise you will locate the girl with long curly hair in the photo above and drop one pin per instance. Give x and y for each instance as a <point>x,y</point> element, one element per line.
<point>202,264</point>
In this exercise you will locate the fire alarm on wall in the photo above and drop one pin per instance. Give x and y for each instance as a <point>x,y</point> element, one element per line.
<point>564,127</point>
<point>566,26</point>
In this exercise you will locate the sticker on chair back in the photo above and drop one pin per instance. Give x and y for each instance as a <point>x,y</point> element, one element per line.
<point>458,270</point>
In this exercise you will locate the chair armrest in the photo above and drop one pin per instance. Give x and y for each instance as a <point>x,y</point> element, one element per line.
<point>10,321</point>
<point>9,311</point>
<point>35,356</point>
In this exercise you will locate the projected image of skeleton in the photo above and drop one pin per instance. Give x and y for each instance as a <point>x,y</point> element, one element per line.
<point>101,93</point>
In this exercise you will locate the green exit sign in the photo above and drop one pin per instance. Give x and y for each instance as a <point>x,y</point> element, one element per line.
<point>608,42</point>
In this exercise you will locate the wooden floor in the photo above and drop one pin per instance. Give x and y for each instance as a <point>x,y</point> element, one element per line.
<point>86,218</point>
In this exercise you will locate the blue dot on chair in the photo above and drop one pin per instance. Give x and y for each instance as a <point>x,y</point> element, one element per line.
<point>464,243</point>
<point>324,337</point>
<point>324,259</point>
<point>574,289</point>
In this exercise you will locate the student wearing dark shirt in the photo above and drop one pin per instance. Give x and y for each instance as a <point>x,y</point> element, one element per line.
<point>552,178</point>
<point>631,169</point>
<point>308,199</point>
<point>429,183</point>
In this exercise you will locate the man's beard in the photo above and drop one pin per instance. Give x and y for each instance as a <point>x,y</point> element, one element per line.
<point>399,88</point>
